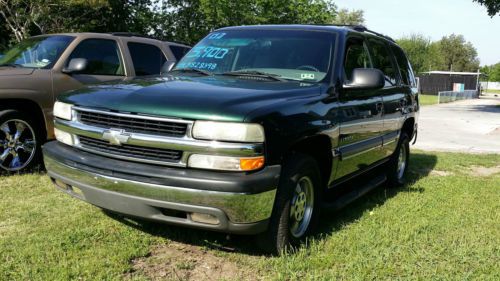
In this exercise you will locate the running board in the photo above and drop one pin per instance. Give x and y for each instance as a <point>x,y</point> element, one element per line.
<point>344,200</point>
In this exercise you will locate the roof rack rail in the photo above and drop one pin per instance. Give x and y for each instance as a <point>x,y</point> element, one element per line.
<point>130,34</point>
<point>362,28</point>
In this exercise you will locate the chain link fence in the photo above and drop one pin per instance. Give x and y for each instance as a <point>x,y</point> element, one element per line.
<point>451,96</point>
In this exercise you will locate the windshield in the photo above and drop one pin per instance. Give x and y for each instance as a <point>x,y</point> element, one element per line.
<point>36,52</point>
<point>288,54</point>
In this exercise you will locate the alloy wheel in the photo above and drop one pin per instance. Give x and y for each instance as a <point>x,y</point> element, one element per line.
<point>17,145</point>
<point>301,208</point>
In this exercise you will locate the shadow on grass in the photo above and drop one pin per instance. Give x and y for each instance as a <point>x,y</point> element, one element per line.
<point>421,165</point>
<point>37,169</point>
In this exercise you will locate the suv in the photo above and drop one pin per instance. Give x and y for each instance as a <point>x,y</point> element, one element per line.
<point>37,70</point>
<point>253,132</point>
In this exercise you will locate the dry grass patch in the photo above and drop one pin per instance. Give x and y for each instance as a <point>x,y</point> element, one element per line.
<point>178,261</point>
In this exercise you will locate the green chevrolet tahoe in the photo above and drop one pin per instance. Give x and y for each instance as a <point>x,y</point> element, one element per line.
<point>254,131</point>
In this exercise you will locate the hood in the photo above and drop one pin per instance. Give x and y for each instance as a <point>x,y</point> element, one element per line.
<point>201,98</point>
<point>13,71</point>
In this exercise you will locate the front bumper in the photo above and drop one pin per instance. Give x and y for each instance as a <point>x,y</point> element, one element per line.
<point>242,203</point>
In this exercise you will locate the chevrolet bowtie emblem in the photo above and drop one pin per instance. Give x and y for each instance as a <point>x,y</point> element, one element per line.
<point>115,137</point>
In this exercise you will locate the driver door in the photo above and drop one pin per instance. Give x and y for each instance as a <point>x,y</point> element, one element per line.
<point>105,63</point>
<point>361,120</point>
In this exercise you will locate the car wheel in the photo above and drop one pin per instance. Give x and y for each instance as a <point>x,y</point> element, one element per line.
<point>19,141</point>
<point>297,205</point>
<point>399,162</point>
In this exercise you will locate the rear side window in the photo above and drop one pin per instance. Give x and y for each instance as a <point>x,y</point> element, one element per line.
<point>356,57</point>
<point>407,76</point>
<point>103,57</point>
<point>179,51</point>
<point>381,59</point>
<point>147,59</point>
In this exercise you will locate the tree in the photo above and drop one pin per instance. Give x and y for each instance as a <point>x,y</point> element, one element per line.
<point>189,20</point>
<point>24,18</point>
<point>492,72</point>
<point>493,6</point>
<point>422,53</point>
<point>346,17</point>
<point>450,53</point>
<point>457,54</point>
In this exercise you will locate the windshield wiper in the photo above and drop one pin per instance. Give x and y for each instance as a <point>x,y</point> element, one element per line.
<point>193,70</point>
<point>254,73</point>
<point>11,64</point>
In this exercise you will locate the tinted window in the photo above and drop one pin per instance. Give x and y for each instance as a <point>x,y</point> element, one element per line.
<point>404,67</point>
<point>179,51</point>
<point>356,57</point>
<point>147,59</point>
<point>381,59</point>
<point>103,57</point>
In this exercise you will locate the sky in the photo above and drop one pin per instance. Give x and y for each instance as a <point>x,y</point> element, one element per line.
<point>434,19</point>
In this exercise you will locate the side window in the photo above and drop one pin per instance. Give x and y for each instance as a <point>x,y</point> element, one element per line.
<point>147,59</point>
<point>356,57</point>
<point>103,57</point>
<point>382,60</point>
<point>407,75</point>
<point>179,51</point>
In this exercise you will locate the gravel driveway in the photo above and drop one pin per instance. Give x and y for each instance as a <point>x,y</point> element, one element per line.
<point>471,126</point>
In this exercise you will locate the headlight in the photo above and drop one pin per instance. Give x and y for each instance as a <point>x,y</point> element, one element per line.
<point>226,131</point>
<point>64,137</point>
<point>215,162</point>
<point>63,110</point>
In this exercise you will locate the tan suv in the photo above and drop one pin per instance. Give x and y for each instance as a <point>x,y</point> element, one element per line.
<point>34,72</point>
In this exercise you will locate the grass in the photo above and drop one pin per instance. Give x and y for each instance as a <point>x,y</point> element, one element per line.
<point>444,225</point>
<point>428,99</point>
<point>492,91</point>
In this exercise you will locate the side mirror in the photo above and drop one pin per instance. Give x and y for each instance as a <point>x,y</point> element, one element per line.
<point>76,65</point>
<point>167,66</point>
<point>366,79</point>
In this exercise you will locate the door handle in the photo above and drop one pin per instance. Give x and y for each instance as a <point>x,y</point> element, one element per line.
<point>402,105</point>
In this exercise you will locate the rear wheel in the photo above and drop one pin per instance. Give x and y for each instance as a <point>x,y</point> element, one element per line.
<point>399,162</point>
<point>19,141</point>
<point>297,205</point>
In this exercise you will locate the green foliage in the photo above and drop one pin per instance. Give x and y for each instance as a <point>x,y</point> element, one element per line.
<point>458,54</point>
<point>420,51</point>
<point>24,18</point>
<point>493,6</point>
<point>346,17</point>
<point>492,72</point>
<point>189,20</point>
<point>450,53</point>
<point>177,20</point>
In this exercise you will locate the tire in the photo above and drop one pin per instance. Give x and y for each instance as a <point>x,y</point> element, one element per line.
<point>294,217</point>
<point>399,162</point>
<point>20,141</point>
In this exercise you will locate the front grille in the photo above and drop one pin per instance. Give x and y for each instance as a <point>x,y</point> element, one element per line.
<point>133,124</point>
<point>126,150</point>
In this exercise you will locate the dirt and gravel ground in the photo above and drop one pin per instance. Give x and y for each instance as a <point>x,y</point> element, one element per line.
<point>471,126</point>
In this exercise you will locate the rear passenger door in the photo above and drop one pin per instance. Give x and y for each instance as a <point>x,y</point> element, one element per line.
<point>360,115</point>
<point>147,59</point>
<point>392,94</point>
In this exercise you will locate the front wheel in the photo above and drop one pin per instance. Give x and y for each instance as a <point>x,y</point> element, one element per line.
<point>297,205</point>
<point>398,164</point>
<point>19,141</point>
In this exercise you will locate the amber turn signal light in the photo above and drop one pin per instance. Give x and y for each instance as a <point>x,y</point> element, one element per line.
<point>250,164</point>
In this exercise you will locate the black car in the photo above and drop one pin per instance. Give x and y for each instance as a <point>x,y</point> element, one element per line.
<point>253,132</point>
